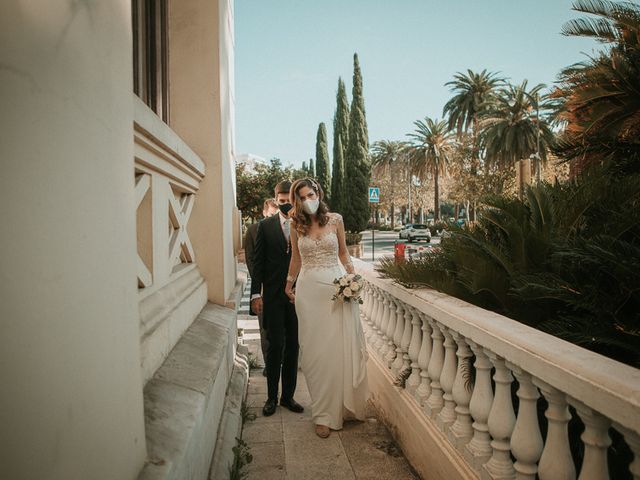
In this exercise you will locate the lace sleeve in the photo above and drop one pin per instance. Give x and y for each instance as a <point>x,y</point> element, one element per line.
<point>335,219</point>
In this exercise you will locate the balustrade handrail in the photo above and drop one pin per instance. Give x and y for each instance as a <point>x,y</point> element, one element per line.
<point>604,385</point>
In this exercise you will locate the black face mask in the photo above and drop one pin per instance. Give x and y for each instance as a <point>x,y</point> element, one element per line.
<point>285,208</point>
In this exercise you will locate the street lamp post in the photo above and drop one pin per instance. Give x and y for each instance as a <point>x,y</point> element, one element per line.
<point>537,154</point>
<point>409,219</point>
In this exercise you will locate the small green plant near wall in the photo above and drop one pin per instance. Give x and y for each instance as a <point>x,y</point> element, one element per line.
<point>241,458</point>
<point>253,361</point>
<point>247,416</point>
<point>353,238</point>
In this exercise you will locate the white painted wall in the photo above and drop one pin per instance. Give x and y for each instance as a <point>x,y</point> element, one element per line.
<point>71,392</point>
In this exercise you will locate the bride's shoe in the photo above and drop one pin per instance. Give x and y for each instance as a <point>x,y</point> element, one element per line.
<point>323,431</point>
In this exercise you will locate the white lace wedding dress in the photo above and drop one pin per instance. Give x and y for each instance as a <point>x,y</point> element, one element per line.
<point>332,344</point>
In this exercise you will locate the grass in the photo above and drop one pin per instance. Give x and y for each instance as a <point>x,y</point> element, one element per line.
<point>246,414</point>
<point>241,458</point>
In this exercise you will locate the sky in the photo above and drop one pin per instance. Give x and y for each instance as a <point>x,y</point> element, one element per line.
<point>290,53</point>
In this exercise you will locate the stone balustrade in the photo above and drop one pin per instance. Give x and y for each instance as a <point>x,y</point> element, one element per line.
<point>476,383</point>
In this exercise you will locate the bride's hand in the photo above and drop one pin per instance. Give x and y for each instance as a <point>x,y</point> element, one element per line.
<point>291,295</point>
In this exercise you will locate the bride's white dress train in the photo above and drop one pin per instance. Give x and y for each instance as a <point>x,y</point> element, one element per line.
<point>332,345</point>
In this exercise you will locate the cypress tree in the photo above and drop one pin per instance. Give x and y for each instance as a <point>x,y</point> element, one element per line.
<point>340,141</point>
<point>304,168</point>
<point>322,160</point>
<point>357,166</point>
<point>337,182</point>
<point>311,170</point>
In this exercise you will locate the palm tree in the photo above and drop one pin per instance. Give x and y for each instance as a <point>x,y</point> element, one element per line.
<point>474,92</point>
<point>429,152</point>
<point>513,128</point>
<point>388,158</point>
<point>602,94</point>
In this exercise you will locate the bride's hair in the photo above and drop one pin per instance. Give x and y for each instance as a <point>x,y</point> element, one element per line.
<point>301,219</point>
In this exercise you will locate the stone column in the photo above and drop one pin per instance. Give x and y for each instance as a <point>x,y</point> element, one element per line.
<point>202,113</point>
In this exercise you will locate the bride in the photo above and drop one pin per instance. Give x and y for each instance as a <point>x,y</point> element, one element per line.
<point>332,345</point>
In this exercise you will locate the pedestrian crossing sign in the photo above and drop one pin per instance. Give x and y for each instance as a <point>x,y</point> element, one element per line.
<point>374,194</point>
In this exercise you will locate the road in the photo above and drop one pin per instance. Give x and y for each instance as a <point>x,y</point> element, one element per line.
<point>384,242</point>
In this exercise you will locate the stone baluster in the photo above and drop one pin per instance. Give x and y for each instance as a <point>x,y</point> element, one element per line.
<point>396,366</point>
<point>633,440</point>
<point>391,328</point>
<point>478,450</point>
<point>382,344</point>
<point>501,422</point>
<point>375,340</point>
<point>461,431</point>
<point>424,389</point>
<point>373,315</point>
<point>434,403</point>
<point>448,414</point>
<point>406,341</point>
<point>364,317</point>
<point>556,461</point>
<point>526,440</point>
<point>366,302</point>
<point>596,442</point>
<point>414,350</point>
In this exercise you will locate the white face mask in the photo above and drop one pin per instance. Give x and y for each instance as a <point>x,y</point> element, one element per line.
<point>311,206</point>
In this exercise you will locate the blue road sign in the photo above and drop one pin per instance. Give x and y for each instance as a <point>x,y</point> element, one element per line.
<point>374,194</point>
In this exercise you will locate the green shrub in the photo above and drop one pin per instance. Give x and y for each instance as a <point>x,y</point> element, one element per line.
<point>565,260</point>
<point>353,238</point>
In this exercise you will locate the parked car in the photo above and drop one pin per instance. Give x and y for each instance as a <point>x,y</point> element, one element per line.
<point>415,231</point>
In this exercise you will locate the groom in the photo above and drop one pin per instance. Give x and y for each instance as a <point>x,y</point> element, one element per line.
<point>270,266</point>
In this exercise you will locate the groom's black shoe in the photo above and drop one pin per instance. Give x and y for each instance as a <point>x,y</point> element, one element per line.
<point>292,405</point>
<point>269,407</point>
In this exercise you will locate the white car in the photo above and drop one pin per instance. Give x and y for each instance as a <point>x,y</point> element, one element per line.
<point>415,231</point>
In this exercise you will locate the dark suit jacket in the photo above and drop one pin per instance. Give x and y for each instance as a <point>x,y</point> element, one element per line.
<point>249,246</point>
<point>271,259</point>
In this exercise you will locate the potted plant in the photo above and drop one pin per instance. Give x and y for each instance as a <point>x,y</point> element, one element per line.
<point>353,244</point>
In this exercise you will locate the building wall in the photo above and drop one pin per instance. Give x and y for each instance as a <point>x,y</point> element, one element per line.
<point>71,395</point>
<point>202,113</point>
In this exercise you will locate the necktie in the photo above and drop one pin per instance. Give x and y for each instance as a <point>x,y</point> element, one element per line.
<point>286,227</point>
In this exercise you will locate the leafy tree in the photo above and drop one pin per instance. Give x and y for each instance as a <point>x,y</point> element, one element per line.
<point>357,165</point>
<point>601,96</point>
<point>388,158</point>
<point>513,129</point>
<point>322,161</point>
<point>474,92</point>
<point>253,187</point>
<point>340,142</point>
<point>429,153</point>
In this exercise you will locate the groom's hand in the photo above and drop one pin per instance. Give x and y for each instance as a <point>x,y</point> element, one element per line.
<point>291,294</point>
<point>256,305</point>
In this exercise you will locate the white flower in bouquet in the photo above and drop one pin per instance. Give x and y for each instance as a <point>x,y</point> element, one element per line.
<point>344,282</point>
<point>355,287</point>
<point>351,277</point>
<point>347,292</point>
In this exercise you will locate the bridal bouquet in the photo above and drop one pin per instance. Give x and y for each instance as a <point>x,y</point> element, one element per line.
<point>348,288</point>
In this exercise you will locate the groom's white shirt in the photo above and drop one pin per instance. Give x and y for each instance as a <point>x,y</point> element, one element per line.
<point>282,220</point>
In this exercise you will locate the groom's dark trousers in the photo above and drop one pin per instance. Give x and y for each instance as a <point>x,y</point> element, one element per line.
<point>270,267</point>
